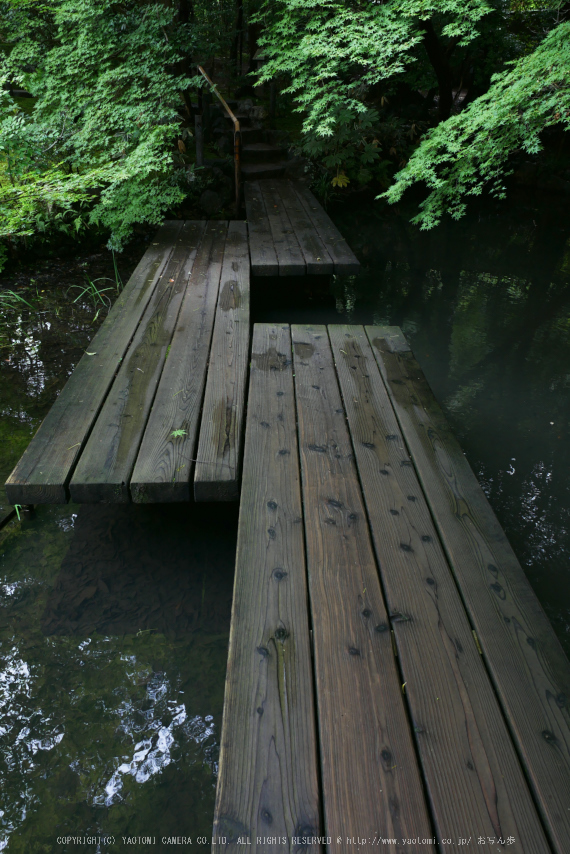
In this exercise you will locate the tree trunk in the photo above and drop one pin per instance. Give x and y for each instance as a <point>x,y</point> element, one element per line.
<point>253,33</point>
<point>199,140</point>
<point>235,52</point>
<point>440,63</point>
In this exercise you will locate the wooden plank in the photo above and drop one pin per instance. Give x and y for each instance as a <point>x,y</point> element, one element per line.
<point>317,259</point>
<point>289,255</point>
<point>370,777</point>
<point>262,251</point>
<point>43,472</point>
<point>103,471</point>
<point>218,457</point>
<point>345,261</point>
<point>165,462</point>
<point>473,776</point>
<point>267,782</point>
<point>528,667</point>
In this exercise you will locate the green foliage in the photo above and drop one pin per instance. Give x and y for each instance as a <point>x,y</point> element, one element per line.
<point>98,296</point>
<point>470,151</point>
<point>335,53</point>
<point>99,146</point>
<point>10,299</point>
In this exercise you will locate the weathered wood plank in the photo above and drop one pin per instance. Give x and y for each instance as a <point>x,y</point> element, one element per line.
<point>370,777</point>
<point>345,261</point>
<point>317,259</point>
<point>103,471</point>
<point>528,667</point>
<point>43,472</point>
<point>289,255</point>
<point>165,462</point>
<point>217,467</point>
<point>475,783</point>
<point>263,255</point>
<point>267,781</point>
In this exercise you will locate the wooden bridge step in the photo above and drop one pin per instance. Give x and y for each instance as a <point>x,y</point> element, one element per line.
<point>105,466</point>
<point>218,457</point>
<point>267,782</point>
<point>289,254</point>
<point>317,258</point>
<point>344,260</point>
<point>475,783</point>
<point>165,461</point>
<point>529,670</point>
<point>262,251</point>
<point>370,776</point>
<point>290,233</point>
<point>42,475</point>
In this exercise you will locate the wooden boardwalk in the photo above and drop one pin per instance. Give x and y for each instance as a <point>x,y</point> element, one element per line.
<point>291,235</point>
<point>391,675</point>
<point>171,356</point>
<point>154,410</point>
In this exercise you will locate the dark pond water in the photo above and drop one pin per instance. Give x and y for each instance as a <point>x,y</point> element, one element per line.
<point>114,621</point>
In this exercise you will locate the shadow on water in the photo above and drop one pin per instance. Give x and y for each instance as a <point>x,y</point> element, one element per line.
<point>114,627</point>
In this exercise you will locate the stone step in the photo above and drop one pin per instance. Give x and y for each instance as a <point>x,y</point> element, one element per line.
<point>262,152</point>
<point>255,171</point>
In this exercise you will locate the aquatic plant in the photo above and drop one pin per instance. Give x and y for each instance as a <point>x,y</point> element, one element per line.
<point>98,296</point>
<point>10,299</point>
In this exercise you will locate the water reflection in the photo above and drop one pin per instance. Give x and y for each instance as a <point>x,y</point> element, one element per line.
<point>113,641</point>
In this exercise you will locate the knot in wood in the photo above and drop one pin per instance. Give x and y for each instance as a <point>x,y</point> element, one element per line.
<point>496,587</point>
